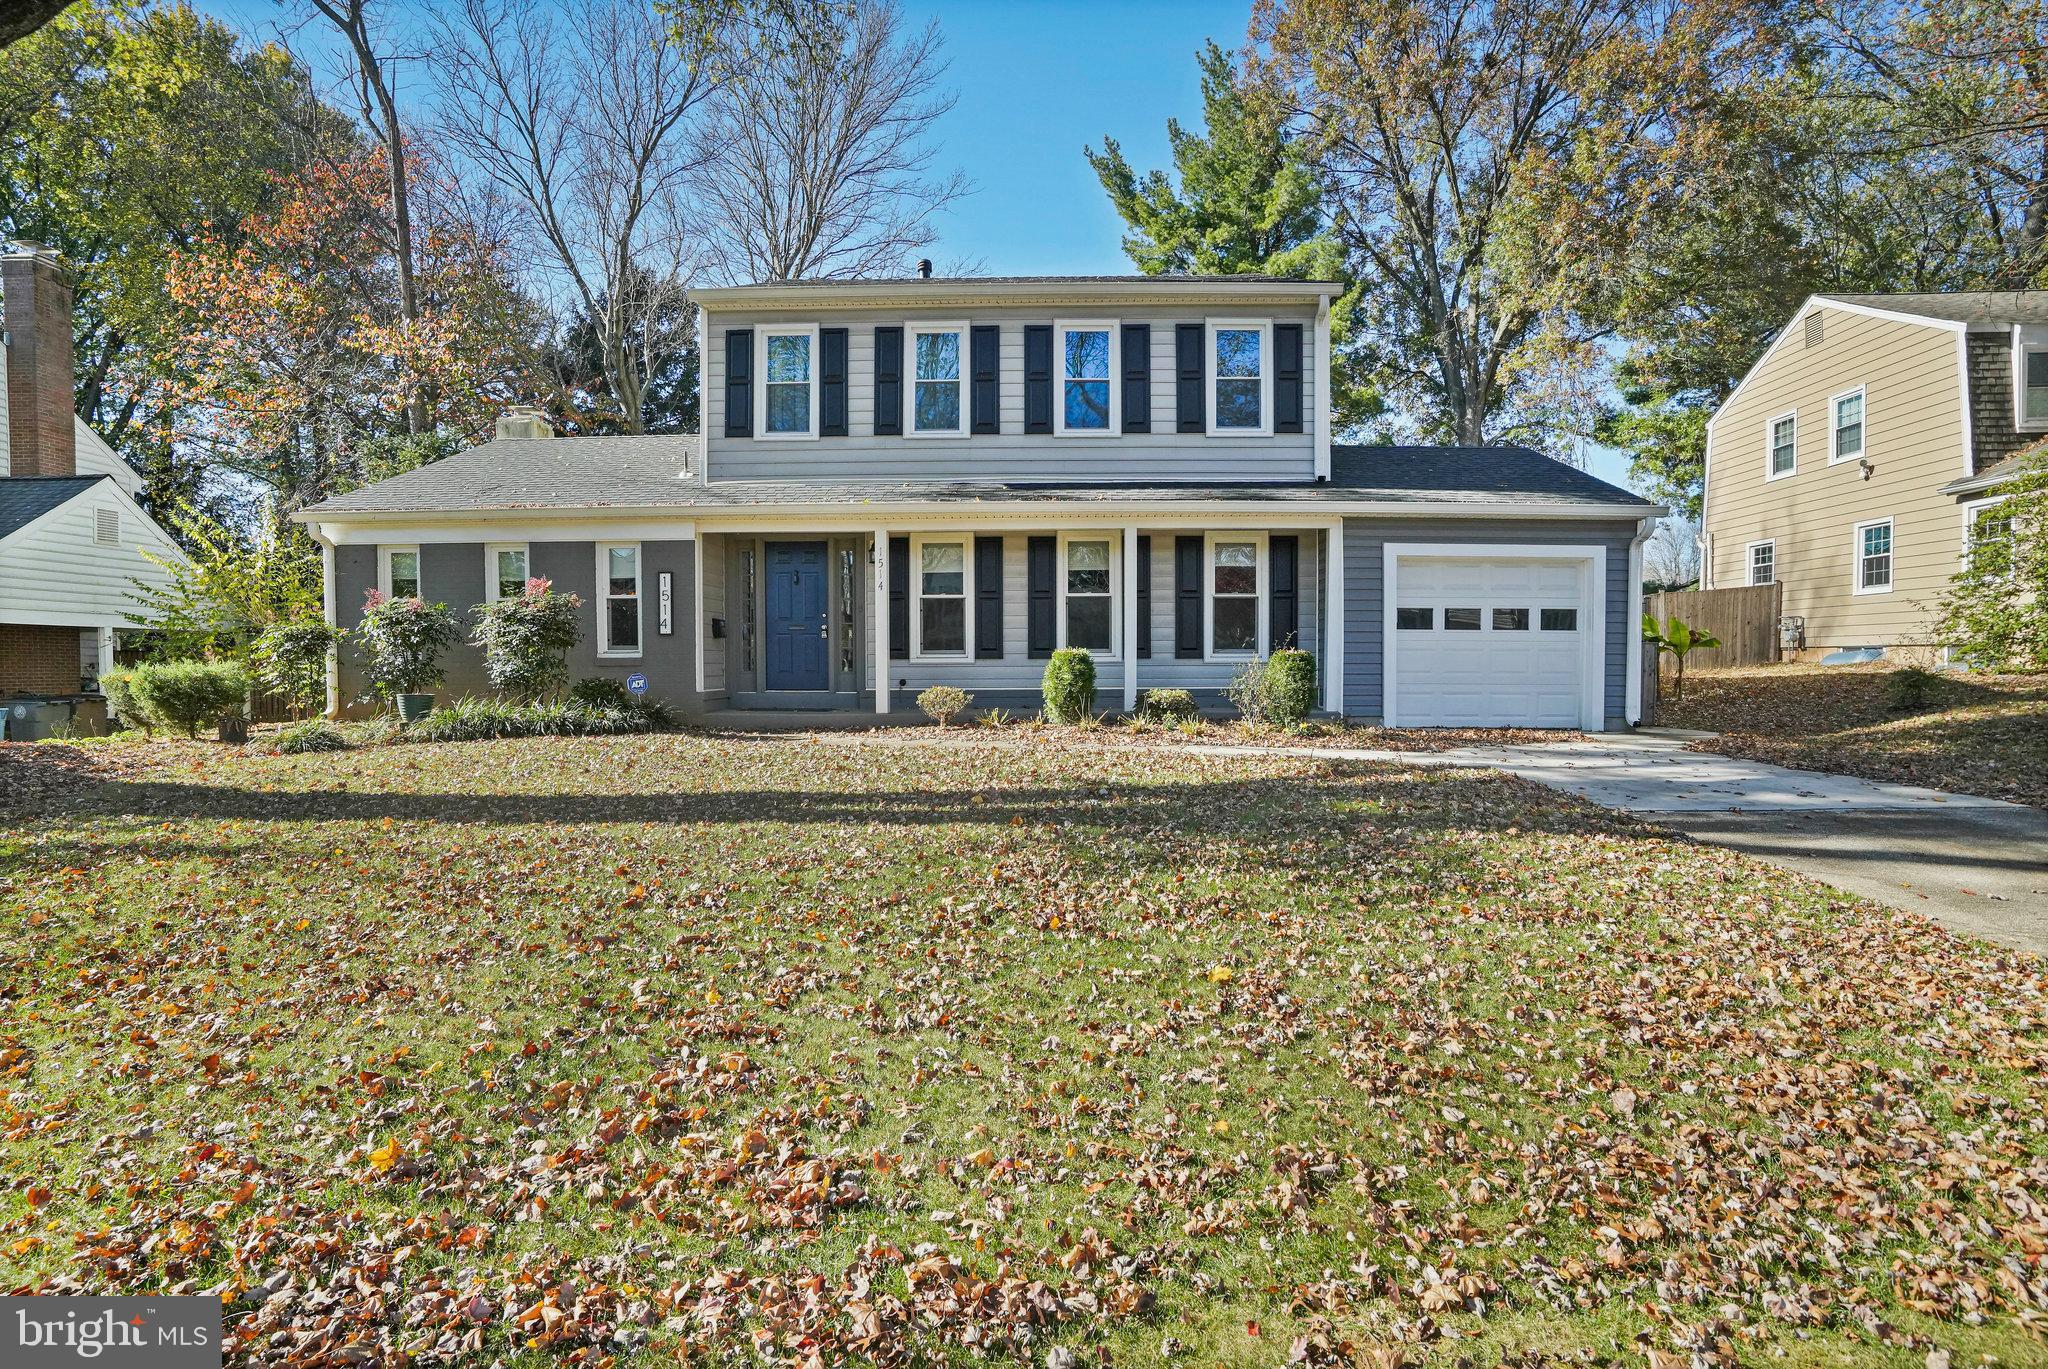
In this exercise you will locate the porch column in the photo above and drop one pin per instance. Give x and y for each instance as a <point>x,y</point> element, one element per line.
<point>881,617</point>
<point>1129,619</point>
<point>702,630</point>
<point>1333,620</point>
<point>103,645</point>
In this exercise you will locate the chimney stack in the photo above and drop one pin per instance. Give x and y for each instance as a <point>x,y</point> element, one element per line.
<point>924,268</point>
<point>36,287</point>
<point>523,421</point>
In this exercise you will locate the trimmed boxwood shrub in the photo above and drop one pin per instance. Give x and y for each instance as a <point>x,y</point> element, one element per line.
<point>1290,688</point>
<point>1069,686</point>
<point>941,702</point>
<point>188,695</point>
<point>118,685</point>
<point>1168,706</point>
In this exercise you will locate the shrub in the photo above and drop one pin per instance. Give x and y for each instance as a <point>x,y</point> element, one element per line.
<point>941,702</point>
<point>1069,685</point>
<point>1247,691</point>
<point>1167,706</point>
<point>997,718</point>
<point>475,720</point>
<point>1907,688</point>
<point>188,694</point>
<point>291,658</point>
<point>1681,639</point>
<point>1994,614</point>
<point>525,640</point>
<point>118,685</point>
<point>1289,691</point>
<point>314,734</point>
<point>403,640</point>
<point>601,692</point>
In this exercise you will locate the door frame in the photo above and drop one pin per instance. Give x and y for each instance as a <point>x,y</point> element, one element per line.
<point>1592,559</point>
<point>824,546</point>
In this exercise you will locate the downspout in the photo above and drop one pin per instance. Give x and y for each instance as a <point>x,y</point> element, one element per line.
<point>333,709</point>
<point>1633,695</point>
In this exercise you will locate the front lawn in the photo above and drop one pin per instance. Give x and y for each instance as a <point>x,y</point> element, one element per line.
<point>625,1050</point>
<point>1975,734</point>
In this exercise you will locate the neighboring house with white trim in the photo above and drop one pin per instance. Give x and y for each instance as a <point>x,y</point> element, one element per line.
<point>71,533</point>
<point>1852,463</point>
<point>941,481</point>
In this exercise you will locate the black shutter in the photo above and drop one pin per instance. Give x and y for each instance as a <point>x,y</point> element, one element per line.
<point>832,382</point>
<point>899,600</point>
<point>1038,378</point>
<point>986,359</point>
<point>888,381</point>
<point>1137,377</point>
<point>988,598</point>
<point>1041,555</point>
<point>1283,611</point>
<point>1187,597</point>
<point>739,382</point>
<point>1286,377</point>
<point>1187,372</point>
<point>1144,596</point>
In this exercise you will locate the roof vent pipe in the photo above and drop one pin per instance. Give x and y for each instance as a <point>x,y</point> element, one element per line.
<point>523,421</point>
<point>924,268</point>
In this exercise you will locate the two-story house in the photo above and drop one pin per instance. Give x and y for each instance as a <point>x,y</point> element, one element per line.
<point>910,482</point>
<point>1853,463</point>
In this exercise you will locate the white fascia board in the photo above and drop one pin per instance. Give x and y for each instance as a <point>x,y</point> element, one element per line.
<point>798,299</point>
<point>1816,301</point>
<point>418,529</point>
<point>57,617</point>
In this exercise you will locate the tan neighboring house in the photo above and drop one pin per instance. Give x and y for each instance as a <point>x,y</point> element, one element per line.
<point>1851,464</point>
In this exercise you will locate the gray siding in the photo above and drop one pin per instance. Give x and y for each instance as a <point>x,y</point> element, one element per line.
<point>1993,433</point>
<point>1365,542</point>
<point>1013,455</point>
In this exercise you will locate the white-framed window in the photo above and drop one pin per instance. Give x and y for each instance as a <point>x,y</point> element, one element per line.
<point>786,395</point>
<point>1985,521</point>
<point>1240,364</point>
<point>1874,557</point>
<point>1781,446</point>
<point>2030,377</point>
<point>618,592</point>
<point>505,571</point>
<point>398,572</point>
<point>1088,586</point>
<point>942,581</point>
<point>1234,584</point>
<point>937,402</point>
<point>1090,401</point>
<point>1763,563</point>
<point>1845,414</point>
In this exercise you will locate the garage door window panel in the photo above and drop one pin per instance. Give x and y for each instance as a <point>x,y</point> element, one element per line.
<point>1461,619</point>
<point>1511,620</point>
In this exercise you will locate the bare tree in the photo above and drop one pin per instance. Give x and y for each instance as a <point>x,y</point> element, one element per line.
<point>1672,555</point>
<point>579,116</point>
<point>820,160</point>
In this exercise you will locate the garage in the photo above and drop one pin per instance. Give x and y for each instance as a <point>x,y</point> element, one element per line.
<point>1509,637</point>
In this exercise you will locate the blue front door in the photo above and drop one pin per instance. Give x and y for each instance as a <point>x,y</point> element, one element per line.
<point>796,637</point>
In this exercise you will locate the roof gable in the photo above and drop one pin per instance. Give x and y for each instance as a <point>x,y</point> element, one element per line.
<point>25,498</point>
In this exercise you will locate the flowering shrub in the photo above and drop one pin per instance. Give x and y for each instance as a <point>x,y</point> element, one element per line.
<point>526,638</point>
<point>402,640</point>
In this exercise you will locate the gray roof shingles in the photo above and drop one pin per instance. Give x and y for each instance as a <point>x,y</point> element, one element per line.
<point>645,472</point>
<point>25,498</point>
<point>1961,306</point>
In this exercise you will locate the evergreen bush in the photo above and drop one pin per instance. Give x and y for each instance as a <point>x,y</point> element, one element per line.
<point>1069,686</point>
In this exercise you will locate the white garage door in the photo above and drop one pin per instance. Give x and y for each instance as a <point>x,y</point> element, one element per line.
<point>1490,642</point>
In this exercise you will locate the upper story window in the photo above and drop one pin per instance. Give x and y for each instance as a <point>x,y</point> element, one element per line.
<point>1848,437</point>
<point>1240,377</point>
<point>2034,386</point>
<point>1088,401</point>
<point>935,401</point>
<point>399,572</point>
<point>618,578</point>
<point>504,571</point>
<point>789,391</point>
<point>1874,557</point>
<point>1784,446</point>
<point>1763,563</point>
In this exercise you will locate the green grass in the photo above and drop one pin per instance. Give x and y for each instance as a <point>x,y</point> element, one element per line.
<point>970,1050</point>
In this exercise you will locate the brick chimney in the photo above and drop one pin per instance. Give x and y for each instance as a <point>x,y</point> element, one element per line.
<point>36,290</point>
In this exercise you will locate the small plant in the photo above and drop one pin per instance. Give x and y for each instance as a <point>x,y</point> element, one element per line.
<point>313,734</point>
<point>291,658</point>
<point>941,702</point>
<point>188,695</point>
<point>601,692</point>
<point>476,720</point>
<point>1069,686</point>
<point>1168,706</point>
<point>526,638</point>
<point>402,640</point>
<point>1247,692</point>
<point>1681,641</point>
<point>1908,688</point>
<point>997,717</point>
<point>1289,688</point>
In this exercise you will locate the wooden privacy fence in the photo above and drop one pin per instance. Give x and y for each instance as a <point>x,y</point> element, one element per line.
<point>1744,618</point>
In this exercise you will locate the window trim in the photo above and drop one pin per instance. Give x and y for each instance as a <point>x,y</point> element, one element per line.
<point>1749,561</point>
<point>918,542</point>
<point>1060,329</point>
<point>960,382</point>
<point>1835,426</point>
<point>1264,327</point>
<point>605,649</point>
<point>492,592</point>
<point>1971,509</point>
<point>2021,349</point>
<point>761,336</point>
<point>1116,573</point>
<point>1770,447</point>
<point>1856,558</point>
<point>384,554</point>
<point>1263,596</point>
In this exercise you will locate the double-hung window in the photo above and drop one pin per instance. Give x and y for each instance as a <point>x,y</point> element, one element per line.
<point>789,392</point>
<point>1874,557</point>
<point>1987,523</point>
<point>1763,563</point>
<point>1848,426</point>
<point>398,572</point>
<point>1237,608</point>
<point>2033,373</point>
<point>1240,377</point>
<point>1086,619</point>
<point>1783,435</point>
<point>504,571</point>
<point>1089,402</point>
<point>942,594</point>
<point>618,580</point>
<point>935,379</point>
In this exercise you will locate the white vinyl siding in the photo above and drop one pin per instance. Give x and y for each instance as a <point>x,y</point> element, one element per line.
<point>56,571</point>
